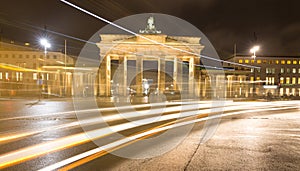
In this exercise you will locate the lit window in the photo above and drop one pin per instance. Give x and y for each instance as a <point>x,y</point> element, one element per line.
<point>251,79</point>
<point>252,61</point>
<point>240,61</point>
<point>288,62</point>
<point>34,76</point>
<point>294,62</point>
<point>267,80</point>
<point>273,70</point>
<point>257,78</point>
<point>294,80</point>
<point>259,61</point>
<point>6,75</point>
<point>0,75</point>
<point>277,61</point>
<point>282,61</point>
<point>282,70</point>
<point>294,70</point>
<point>247,61</point>
<point>287,80</point>
<point>264,61</point>
<point>21,76</point>
<point>17,76</point>
<point>299,80</point>
<point>281,80</point>
<point>272,80</point>
<point>299,71</point>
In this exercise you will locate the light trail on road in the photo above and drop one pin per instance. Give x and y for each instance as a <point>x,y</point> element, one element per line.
<point>34,151</point>
<point>127,141</point>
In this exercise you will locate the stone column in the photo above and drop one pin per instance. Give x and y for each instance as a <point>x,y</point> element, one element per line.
<point>105,74</point>
<point>197,71</point>
<point>179,73</point>
<point>213,85</point>
<point>139,76</point>
<point>122,77</point>
<point>175,73</point>
<point>161,81</point>
<point>191,76</point>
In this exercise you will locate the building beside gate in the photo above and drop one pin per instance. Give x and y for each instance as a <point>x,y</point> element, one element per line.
<point>278,75</point>
<point>25,71</point>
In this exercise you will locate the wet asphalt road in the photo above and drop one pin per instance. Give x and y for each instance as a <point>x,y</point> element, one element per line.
<point>255,141</point>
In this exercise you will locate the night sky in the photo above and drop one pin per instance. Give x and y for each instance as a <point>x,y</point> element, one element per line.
<point>272,24</point>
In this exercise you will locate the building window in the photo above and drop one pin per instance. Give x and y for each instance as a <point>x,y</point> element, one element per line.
<point>34,76</point>
<point>34,56</point>
<point>281,80</point>
<point>288,70</point>
<point>17,76</point>
<point>13,56</point>
<point>21,76</point>
<point>299,80</point>
<point>27,56</point>
<point>277,61</point>
<point>20,56</point>
<point>258,78</point>
<point>6,76</point>
<point>264,61</point>
<point>288,62</point>
<point>247,61</point>
<point>252,61</point>
<point>281,70</point>
<point>299,71</point>
<point>294,62</point>
<point>282,61</point>
<point>258,61</point>
<point>294,80</point>
<point>287,80</point>
<point>2,76</point>
<point>240,61</point>
<point>54,57</point>
<point>294,71</point>
<point>6,55</point>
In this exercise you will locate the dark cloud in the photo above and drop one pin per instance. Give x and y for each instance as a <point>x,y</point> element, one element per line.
<point>225,23</point>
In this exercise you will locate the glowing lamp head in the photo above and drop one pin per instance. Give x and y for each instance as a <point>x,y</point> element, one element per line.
<point>45,43</point>
<point>254,49</point>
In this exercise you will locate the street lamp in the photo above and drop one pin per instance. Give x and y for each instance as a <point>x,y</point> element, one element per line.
<point>253,50</point>
<point>44,42</point>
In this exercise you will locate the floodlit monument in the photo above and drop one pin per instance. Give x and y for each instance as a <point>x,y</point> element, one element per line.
<point>156,48</point>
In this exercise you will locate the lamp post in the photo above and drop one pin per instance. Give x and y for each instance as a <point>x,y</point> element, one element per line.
<point>253,50</point>
<point>44,42</point>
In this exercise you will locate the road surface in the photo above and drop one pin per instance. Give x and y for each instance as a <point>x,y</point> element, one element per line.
<point>251,136</point>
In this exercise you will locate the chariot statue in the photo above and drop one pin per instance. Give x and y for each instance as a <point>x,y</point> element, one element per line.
<point>150,29</point>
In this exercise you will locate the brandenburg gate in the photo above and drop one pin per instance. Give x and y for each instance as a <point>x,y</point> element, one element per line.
<point>149,45</point>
